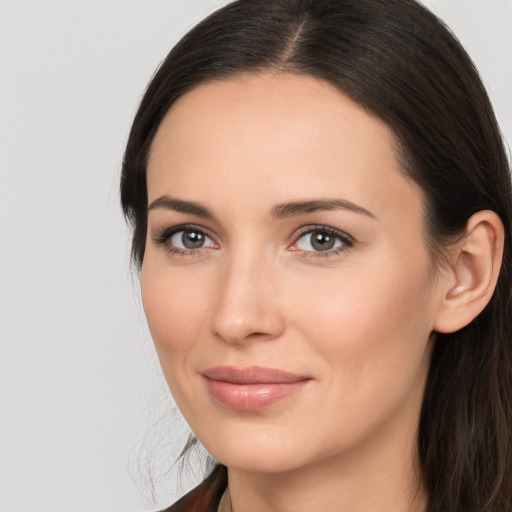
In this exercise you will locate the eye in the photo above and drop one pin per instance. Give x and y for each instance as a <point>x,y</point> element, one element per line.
<point>323,240</point>
<point>184,239</point>
<point>190,239</point>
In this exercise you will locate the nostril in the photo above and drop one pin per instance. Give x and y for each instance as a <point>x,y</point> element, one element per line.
<point>255,335</point>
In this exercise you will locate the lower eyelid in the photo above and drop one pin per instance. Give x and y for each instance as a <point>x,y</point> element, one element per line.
<point>323,254</point>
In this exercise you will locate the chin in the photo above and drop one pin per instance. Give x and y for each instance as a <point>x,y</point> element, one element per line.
<point>260,454</point>
<point>252,462</point>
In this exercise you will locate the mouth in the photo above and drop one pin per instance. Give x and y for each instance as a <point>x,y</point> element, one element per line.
<point>252,388</point>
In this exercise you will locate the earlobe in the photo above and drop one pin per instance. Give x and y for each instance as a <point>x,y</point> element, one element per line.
<point>475,262</point>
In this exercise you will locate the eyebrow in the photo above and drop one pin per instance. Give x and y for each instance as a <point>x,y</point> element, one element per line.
<point>169,203</point>
<point>280,211</point>
<point>294,208</point>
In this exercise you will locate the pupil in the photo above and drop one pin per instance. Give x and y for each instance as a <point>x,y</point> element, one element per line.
<point>192,239</point>
<point>322,241</point>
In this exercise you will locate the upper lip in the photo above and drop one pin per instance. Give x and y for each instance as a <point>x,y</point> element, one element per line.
<point>252,375</point>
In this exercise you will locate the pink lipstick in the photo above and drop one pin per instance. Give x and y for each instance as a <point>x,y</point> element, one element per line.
<point>252,388</point>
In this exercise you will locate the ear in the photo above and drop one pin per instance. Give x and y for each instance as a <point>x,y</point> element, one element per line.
<point>474,265</point>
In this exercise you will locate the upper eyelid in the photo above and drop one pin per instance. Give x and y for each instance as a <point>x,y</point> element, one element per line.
<point>319,227</point>
<point>184,227</point>
<point>163,235</point>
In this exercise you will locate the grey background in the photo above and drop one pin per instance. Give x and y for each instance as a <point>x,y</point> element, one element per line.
<point>80,386</point>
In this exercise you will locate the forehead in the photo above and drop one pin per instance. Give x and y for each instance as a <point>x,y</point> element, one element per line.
<point>273,135</point>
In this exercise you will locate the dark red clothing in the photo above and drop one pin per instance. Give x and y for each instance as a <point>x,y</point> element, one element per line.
<point>206,496</point>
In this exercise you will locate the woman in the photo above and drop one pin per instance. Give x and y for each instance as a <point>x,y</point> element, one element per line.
<point>321,206</point>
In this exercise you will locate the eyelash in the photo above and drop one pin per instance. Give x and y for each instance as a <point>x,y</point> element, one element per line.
<point>346,240</point>
<point>164,237</point>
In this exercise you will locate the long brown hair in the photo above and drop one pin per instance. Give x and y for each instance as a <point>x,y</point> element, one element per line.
<point>401,63</point>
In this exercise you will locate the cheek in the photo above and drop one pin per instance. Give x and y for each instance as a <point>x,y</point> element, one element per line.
<point>368,337</point>
<point>175,311</point>
<point>370,322</point>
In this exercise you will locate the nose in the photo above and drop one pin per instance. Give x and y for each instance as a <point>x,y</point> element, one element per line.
<point>246,305</point>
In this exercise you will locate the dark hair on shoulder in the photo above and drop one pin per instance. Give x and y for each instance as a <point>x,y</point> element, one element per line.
<point>398,61</point>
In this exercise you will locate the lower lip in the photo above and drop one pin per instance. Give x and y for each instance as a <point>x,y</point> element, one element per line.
<point>250,397</point>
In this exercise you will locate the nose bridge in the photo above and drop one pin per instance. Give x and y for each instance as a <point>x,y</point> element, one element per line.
<point>245,303</point>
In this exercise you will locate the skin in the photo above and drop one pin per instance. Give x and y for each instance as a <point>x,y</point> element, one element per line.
<point>358,322</point>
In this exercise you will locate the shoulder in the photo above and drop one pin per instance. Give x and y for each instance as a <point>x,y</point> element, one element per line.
<point>206,496</point>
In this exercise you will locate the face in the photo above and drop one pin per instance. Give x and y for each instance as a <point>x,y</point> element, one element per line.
<point>286,280</point>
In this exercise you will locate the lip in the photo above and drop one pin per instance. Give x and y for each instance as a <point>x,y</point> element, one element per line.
<point>251,388</point>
